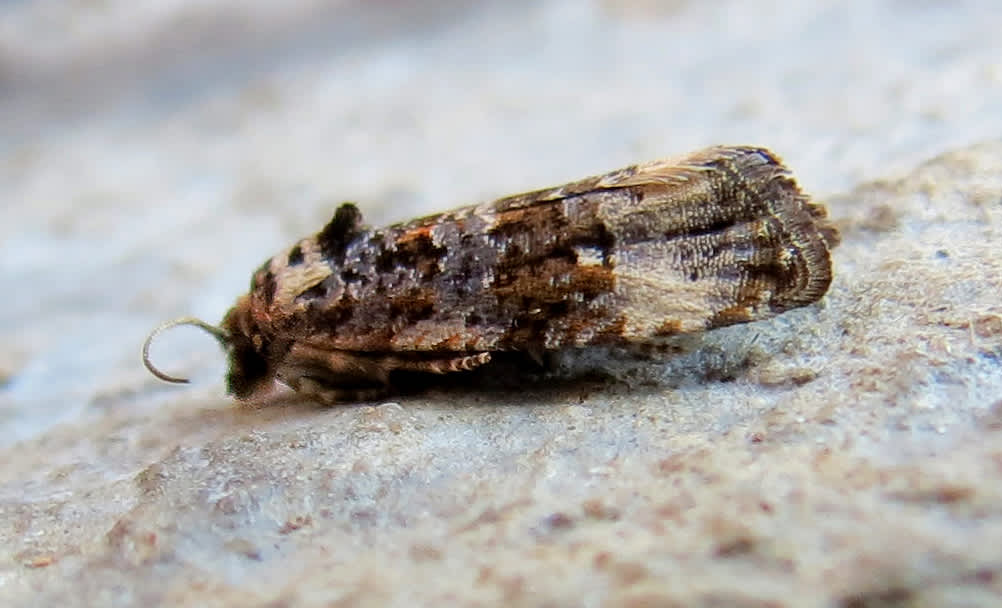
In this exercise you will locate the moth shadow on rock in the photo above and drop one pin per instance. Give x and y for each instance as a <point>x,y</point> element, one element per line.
<point>576,373</point>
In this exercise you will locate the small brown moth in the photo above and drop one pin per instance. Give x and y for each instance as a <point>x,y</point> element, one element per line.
<point>719,237</point>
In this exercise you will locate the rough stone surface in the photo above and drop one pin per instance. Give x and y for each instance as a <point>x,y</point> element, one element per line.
<point>152,154</point>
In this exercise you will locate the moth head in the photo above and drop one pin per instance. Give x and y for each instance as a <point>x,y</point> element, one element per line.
<point>250,352</point>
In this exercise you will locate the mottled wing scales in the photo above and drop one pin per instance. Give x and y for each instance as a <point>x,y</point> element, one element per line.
<point>720,237</point>
<point>731,240</point>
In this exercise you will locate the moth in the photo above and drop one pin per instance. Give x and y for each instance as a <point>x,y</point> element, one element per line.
<point>718,237</point>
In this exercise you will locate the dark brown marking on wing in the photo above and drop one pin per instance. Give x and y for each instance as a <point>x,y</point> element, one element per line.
<point>415,249</point>
<point>670,327</point>
<point>416,305</point>
<point>530,302</point>
<point>335,314</point>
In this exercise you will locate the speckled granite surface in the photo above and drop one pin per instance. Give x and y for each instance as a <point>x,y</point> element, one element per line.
<point>848,454</point>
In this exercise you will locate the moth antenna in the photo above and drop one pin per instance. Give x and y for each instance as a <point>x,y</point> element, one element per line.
<point>218,332</point>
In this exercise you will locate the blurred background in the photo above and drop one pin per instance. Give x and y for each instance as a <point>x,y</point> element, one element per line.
<point>153,153</point>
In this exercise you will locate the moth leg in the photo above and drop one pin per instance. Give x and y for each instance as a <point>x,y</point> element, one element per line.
<point>341,364</point>
<point>310,387</point>
<point>333,376</point>
<point>445,365</point>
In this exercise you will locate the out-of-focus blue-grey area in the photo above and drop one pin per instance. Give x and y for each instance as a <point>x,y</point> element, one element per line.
<point>152,154</point>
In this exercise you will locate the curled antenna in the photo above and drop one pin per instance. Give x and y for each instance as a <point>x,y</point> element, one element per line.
<point>220,334</point>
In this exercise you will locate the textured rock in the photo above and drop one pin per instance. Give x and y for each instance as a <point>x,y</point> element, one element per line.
<point>842,455</point>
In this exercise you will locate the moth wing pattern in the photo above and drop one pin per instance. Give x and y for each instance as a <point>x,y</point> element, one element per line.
<point>673,246</point>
